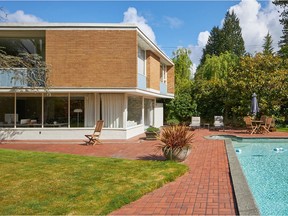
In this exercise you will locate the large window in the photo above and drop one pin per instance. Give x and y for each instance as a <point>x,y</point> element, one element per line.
<point>112,107</point>
<point>134,111</point>
<point>29,111</point>
<point>148,112</point>
<point>77,111</point>
<point>56,111</point>
<point>141,61</point>
<point>7,116</point>
<point>16,46</point>
<point>163,73</point>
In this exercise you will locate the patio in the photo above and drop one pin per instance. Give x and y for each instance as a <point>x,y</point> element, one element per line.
<point>205,189</point>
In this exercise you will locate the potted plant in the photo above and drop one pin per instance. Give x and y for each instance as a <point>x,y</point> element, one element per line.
<point>152,133</point>
<point>176,142</point>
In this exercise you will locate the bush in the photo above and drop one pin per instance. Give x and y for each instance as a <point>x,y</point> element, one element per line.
<point>173,122</point>
<point>152,129</point>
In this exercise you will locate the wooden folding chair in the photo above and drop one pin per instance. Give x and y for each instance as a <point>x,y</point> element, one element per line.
<point>267,125</point>
<point>249,126</point>
<point>94,138</point>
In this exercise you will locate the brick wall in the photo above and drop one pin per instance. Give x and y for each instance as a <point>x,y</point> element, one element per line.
<point>153,70</point>
<point>92,58</point>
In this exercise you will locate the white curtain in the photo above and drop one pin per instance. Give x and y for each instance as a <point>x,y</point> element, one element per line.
<point>148,112</point>
<point>112,110</point>
<point>89,110</point>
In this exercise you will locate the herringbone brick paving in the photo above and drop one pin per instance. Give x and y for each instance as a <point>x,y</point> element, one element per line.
<point>206,189</point>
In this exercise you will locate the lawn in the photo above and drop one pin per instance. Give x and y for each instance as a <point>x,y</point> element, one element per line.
<point>282,129</point>
<point>49,183</point>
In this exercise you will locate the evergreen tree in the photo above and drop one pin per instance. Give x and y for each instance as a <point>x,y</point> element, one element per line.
<point>283,43</point>
<point>267,46</point>
<point>228,39</point>
<point>232,34</point>
<point>214,44</point>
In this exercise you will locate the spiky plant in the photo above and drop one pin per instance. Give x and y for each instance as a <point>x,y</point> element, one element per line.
<point>174,139</point>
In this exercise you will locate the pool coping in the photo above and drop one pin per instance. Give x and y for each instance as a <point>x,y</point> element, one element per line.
<point>244,199</point>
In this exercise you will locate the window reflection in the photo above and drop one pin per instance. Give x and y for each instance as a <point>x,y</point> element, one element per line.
<point>56,112</point>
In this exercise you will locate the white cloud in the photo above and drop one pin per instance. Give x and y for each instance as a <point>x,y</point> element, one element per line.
<point>173,22</point>
<point>196,51</point>
<point>256,22</point>
<point>20,16</point>
<point>131,16</point>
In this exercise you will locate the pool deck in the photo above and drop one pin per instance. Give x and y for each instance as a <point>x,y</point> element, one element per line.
<point>205,189</point>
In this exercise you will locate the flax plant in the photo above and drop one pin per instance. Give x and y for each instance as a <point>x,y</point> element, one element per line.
<point>174,139</point>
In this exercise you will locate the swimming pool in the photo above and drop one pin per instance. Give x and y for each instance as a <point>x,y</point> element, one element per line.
<point>264,163</point>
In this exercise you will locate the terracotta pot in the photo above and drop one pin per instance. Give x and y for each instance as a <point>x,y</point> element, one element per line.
<point>176,154</point>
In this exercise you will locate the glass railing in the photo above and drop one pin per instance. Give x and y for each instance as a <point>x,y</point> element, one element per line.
<point>163,88</point>
<point>20,77</point>
<point>141,81</point>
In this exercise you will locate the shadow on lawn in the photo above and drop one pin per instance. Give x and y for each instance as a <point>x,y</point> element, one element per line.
<point>152,157</point>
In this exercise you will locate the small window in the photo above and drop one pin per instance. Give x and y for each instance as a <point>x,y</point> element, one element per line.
<point>163,73</point>
<point>141,61</point>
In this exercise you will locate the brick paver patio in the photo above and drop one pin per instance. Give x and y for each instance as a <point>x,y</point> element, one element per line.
<point>205,189</point>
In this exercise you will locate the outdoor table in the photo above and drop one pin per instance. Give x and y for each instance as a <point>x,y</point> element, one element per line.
<point>257,123</point>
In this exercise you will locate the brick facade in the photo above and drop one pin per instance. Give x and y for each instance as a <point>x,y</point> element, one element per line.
<point>153,70</point>
<point>92,58</point>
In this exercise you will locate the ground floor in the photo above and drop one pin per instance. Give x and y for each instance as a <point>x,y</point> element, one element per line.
<point>71,115</point>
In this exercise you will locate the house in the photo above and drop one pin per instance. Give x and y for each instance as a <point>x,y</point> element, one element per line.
<point>98,71</point>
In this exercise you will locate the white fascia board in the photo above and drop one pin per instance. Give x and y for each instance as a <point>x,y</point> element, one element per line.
<point>87,90</point>
<point>154,47</point>
<point>74,26</point>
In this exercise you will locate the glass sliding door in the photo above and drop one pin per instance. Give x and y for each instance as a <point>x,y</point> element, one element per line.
<point>77,111</point>
<point>29,110</point>
<point>148,112</point>
<point>7,117</point>
<point>56,111</point>
<point>134,111</point>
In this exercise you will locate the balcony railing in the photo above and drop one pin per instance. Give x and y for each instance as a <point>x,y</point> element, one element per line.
<point>20,77</point>
<point>141,81</point>
<point>163,88</point>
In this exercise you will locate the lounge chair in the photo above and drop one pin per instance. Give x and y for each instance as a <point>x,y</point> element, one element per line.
<point>195,122</point>
<point>249,126</point>
<point>218,122</point>
<point>94,138</point>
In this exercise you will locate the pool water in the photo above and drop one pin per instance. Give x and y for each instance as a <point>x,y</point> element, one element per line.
<point>265,166</point>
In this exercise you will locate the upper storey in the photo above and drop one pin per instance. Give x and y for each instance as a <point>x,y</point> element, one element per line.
<point>93,55</point>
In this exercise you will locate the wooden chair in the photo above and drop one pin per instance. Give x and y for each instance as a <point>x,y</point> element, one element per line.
<point>94,138</point>
<point>267,125</point>
<point>249,126</point>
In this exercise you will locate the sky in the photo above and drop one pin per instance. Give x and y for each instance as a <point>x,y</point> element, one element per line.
<point>169,24</point>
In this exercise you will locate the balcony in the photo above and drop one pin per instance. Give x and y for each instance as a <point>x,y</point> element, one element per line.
<point>20,77</point>
<point>163,88</point>
<point>141,82</point>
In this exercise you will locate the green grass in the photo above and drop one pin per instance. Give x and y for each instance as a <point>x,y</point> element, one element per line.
<point>48,183</point>
<point>282,129</point>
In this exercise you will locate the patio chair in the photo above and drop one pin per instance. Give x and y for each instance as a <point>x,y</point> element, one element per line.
<point>267,125</point>
<point>249,126</point>
<point>218,122</point>
<point>94,138</point>
<point>195,122</point>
